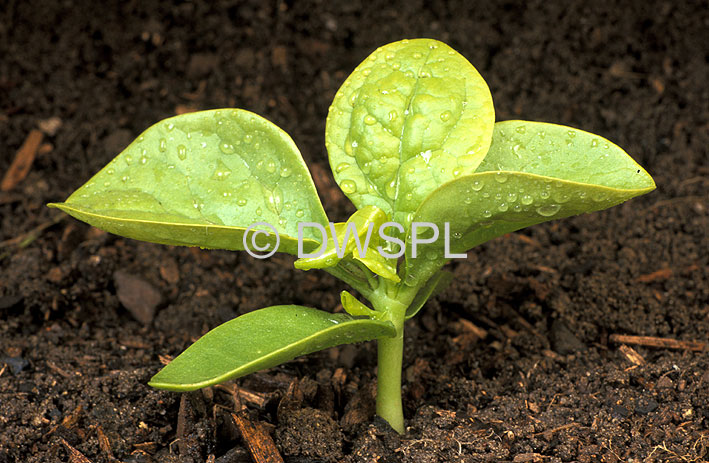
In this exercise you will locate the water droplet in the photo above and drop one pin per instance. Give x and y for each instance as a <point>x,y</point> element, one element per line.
<point>503,207</point>
<point>571,133</point>
<point>282,222</point>
<point>242,202</point>
<point>468,200</point>
<point>259,211</point>
<point>163,145</point>
<point>457,235</point>
<point>110,171</point>
<point>170,126</point>
<point>527,200</point>
<point>125,178</point>
<point>348,186</point>
<point>520,129</point>
<point>548,210</point>
<point>286,172</point>
<point>271,167</point>
<point>221,172</point>
<point>594,143</point>
<point>512,197</point>
<point>423,73</point>
<point>477,185</point>
<point>445,116</point>
<point>370,120</point>
<point>141,138</point>
<point>128,160</point>
<point>276,200</point>
<point>390,189</point>
<point>487,214</point>
<point>456,172</point>
<point>417,55</point>
<point>582,194</point>
<point>226,148</point>
<point>143,159</point>
<point>181,152</point>
<point>299,213</point>
<point>392,115</point>
<point>341,166</point>
<point>500,177</point>
<point>389,56</point>
<point>544,194</point>
<point>366,72</point>
<point>409,196</point>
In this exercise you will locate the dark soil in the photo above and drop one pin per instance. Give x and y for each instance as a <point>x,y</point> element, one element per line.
<point>545,383</point>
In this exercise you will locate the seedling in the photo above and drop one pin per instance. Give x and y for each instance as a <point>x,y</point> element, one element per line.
<point>413,143</point>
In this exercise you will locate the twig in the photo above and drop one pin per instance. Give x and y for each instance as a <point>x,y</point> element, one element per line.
<point>260,444</point>
<point>651,341</point>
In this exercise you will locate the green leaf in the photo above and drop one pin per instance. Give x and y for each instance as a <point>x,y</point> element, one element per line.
<point>263,339</point>
<point>354,307</point>
<point>414,115</point>
<point>200,179</point>
<point>534,172</point>
<point>349,238</point>
<point>437,283</point>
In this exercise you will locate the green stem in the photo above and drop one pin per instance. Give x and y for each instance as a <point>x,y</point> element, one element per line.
<point>390,353</point>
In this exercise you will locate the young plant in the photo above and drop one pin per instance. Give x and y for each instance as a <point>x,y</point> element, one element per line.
<point>413,143</point>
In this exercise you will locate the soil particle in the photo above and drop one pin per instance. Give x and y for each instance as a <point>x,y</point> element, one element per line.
<point>138,296</point>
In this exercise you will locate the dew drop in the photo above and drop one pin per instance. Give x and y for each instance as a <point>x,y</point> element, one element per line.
<point>226,148</point>
<point>520,129</point>
<point>477,185</point>
<point>271,167</point>
<point>259,211</point>
<point>125,178</point>
<point>370,120</point>
<point>548,210</point>
<point>286,172</point>
<point>366,72</point>
<point>276,200</point>
<point>594,143</point>
<point>409,196</point>
<point>423,73</point>
<point>341,166</point>
<point>457,235</point>
<point>512,197</point>
<point>348,186</point>
<point>181,152</point>
<point>544,194</point>
<point>571,133</point>
<point>163,145</point>
<point>487,214</point>
<point>417,55</point>
<point>170,126</point>
<point>242,202</point>
<point>445,116</point>
<point>129,160</point>
<point>390,189</point>
<point>144,159</point>
<point>299,213</point>
<point>392,115</point>
<point>527,200</point>
<point>500,177</point>
<point>110,171</point>
<point>503,207</point>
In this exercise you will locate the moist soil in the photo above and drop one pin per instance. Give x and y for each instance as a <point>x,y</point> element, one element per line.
<point>516,361</point>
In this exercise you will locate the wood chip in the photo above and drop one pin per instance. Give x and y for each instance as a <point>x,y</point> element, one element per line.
<point>103,442</point>
<point>662,274</point>
<point>259,442</point>
<point>630,354</point>
<point>74,455</point>
<point>22,163</point>
<point>665,343</point>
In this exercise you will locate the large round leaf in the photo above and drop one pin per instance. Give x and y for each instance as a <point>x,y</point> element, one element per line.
<point>414,115</point>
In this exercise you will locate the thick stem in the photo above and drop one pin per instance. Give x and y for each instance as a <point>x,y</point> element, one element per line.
<point>390,353</point>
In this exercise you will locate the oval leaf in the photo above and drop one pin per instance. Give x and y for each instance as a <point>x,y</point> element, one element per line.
<point>200,179</point>
<point>560,175</point>
<point>263,339</point>
<point>415,114</point>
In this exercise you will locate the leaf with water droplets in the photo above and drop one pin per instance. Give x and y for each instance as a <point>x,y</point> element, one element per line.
<point>263,339</point>
<point>534,172</point>
<point>414,115</point>
<point>200,179</point>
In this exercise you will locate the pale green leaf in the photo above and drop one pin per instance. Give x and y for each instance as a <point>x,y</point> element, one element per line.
<point>414,115</point>
<point>200,179</point>
<point>533,173</point>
